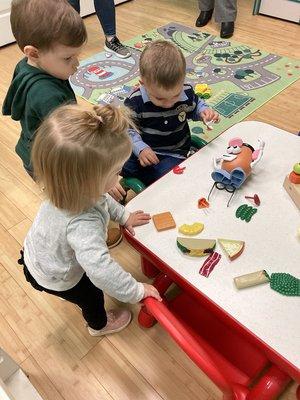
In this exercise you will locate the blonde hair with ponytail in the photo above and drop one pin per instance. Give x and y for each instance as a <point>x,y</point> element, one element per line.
<point>76,149</point>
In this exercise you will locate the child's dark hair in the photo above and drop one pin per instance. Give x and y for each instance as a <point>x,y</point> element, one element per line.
<point>42,23</point>
<point>163,64</point>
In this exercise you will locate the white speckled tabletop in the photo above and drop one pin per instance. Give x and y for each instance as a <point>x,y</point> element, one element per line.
<point>270,237</point>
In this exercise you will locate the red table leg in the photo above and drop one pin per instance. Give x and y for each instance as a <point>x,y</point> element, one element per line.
<point>148,268</point>
<point>145,319</point>
<point>270,385</point>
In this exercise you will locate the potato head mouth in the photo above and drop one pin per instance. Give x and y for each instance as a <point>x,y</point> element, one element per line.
<point>229,157</point>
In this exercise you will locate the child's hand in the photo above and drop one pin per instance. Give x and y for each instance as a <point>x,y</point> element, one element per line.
<point>117,192</point>
<point>148,157</point>
<point>151,291</point>
<point>209,115</point>
<point>135,219</point>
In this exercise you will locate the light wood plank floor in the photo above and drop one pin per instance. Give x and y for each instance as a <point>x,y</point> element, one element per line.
<point>46,336</point>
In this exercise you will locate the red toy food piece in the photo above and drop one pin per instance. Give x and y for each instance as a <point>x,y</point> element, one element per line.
<point>294,178</point>
<point>209,264</point>
<point>178,170</point>
<point>203,203</point>
<point>255,198</point>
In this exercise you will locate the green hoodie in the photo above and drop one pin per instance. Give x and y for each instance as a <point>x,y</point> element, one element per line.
<point>32,95</point>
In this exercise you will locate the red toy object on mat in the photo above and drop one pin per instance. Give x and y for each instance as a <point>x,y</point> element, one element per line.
<point>178,170</point>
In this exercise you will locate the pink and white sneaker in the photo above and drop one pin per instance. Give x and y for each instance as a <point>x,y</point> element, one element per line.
<point>116,321</point>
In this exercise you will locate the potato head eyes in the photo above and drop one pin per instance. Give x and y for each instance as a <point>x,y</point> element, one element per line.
<point>233,149</point>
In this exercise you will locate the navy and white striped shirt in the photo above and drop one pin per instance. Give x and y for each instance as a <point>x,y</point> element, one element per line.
<point>165,130</point>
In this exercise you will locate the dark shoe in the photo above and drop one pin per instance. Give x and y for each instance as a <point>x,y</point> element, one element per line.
<point>204,18</point>
<point>114,237</point>
<point>114,46</point>
<point>227,29</point>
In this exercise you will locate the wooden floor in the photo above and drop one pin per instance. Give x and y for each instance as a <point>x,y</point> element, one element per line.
<point>46,336</point>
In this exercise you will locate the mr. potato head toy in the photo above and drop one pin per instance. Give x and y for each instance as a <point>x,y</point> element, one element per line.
<point>233,168</point>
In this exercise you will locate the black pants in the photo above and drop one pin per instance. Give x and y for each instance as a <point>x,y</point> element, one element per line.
<point>85,294</point>
<point>106,13</point>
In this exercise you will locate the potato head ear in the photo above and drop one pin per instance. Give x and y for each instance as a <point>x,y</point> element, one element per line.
<point>255,154</point>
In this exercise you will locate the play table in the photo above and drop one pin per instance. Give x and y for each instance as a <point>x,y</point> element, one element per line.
<point>233,335</point>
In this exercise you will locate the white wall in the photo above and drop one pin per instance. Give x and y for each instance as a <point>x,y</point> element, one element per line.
<point>5,31</point>
<point>285,9</point>
<point>6,36</point>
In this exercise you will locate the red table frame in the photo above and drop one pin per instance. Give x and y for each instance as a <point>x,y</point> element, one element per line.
<point>277,371</point>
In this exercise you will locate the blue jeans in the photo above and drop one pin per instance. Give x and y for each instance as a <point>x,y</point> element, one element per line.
<point>133,169</point>
<point>106,13</point>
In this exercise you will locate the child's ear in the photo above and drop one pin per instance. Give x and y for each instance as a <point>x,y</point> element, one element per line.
<point>31,52</point>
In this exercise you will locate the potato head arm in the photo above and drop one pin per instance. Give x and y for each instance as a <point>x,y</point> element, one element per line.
<point>217,162</point>
<point>258,153</point>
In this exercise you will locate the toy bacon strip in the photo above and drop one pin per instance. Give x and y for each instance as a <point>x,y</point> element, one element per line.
<point>209,264</point>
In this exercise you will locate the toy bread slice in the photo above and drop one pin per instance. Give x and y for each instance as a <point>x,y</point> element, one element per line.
<point>232,248</point>
<point>196,247</point>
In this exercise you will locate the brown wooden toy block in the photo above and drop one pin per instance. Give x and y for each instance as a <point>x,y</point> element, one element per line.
<point>293,190</point>
<point>163,221</point>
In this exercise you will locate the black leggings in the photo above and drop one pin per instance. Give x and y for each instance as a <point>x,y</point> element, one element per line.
<point>85,294</point>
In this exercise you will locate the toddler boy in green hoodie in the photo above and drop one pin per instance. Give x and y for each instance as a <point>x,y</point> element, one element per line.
<point>51,34</point>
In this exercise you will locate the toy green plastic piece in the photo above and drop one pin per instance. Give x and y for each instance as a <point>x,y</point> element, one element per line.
<point>239,212</point>
<point>245,212</point>
<point>198,142</point>
<point>285,284</point>
<point>132,183</point>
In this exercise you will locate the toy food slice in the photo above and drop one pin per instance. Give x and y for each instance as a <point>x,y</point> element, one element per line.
<point>196,247</point>
<point>191,230</point>
<point>232,248</point>
<point>163,221</point>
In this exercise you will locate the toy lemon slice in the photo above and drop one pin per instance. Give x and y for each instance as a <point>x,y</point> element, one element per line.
<point>196,247</point>
<point>191,230</point>
<point>232,248</point>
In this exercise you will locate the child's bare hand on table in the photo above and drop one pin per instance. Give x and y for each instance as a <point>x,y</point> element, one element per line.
<point>135,219</point>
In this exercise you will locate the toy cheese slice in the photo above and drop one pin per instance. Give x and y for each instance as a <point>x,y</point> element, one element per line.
<point>196,247</point>
<point>232,248</point>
